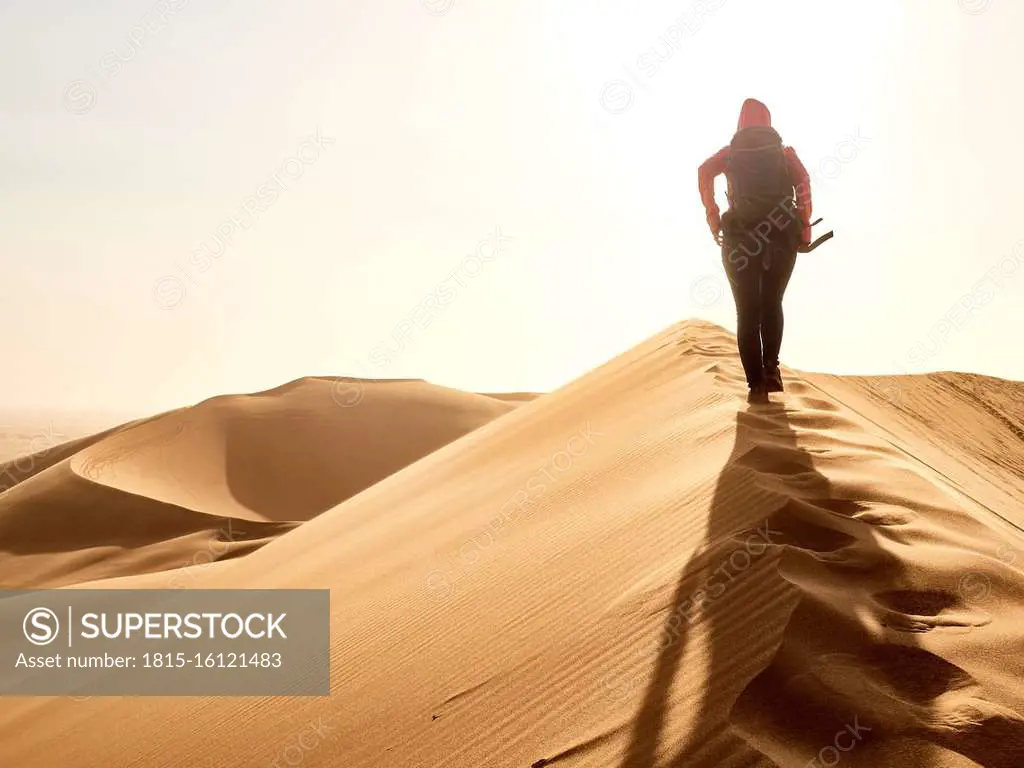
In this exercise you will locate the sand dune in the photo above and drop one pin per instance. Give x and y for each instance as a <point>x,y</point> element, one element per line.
<point>640,570</point>
<point>218,479</point>
<point>968,428</point>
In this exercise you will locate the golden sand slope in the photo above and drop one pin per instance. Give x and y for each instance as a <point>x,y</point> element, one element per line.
<point>968,428</point>
<point>217,479</point>
<point>637,570</point>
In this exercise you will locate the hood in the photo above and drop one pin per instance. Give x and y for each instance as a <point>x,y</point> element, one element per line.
<point>754,113</point>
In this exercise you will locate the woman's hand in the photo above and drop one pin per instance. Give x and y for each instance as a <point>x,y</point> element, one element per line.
<point>715,225</point>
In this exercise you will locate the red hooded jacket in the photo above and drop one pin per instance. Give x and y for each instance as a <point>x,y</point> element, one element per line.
<point>754,113</point>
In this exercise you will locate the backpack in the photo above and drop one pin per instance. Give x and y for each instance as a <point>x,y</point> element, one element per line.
<point>758,174</point>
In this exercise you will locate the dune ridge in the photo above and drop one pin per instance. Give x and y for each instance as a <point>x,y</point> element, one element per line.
<point>639,570</point>
<point>217,479</point>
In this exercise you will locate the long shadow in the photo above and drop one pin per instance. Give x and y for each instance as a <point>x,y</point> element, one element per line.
<point>770,500</point>
<point>735,554</point>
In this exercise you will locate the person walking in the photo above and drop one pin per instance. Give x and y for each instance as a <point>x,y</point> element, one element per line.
<point>765,226</point>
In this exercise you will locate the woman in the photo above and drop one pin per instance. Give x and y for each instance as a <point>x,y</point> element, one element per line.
<point>768,219</point>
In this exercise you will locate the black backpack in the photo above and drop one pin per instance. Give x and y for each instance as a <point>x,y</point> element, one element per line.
<point>758,175</point>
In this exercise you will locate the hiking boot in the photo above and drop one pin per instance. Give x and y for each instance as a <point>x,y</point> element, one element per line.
<point>758,394</point>
<point>773,379</point>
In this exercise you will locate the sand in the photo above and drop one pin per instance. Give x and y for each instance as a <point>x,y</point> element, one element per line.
<point>639,569</point>
<point>218,479</point>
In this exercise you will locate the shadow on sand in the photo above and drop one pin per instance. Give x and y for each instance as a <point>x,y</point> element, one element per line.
<point>711,573</point>
<point>769,500</point>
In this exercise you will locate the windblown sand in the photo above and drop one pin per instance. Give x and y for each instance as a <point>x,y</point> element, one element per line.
<point>637,570</point>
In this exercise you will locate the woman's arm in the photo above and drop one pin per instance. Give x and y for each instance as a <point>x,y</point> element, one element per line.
<point>802,184</point>
<point>706,175</point>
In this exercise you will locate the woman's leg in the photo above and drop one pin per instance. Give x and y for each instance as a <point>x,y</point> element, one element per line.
<point>773,288</point>
<point>745,276</point>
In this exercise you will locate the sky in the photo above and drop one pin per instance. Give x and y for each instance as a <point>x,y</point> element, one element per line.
<point>215,197</point>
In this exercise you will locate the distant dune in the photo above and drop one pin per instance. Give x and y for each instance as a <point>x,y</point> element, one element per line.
<point>639,570</point>
<point>217,479</point>
<point>514,397</point>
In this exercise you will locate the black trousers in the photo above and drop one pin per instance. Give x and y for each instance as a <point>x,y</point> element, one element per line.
<point>758,265</point>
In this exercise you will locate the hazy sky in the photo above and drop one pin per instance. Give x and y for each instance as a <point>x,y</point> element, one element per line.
<point>492,196</point>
